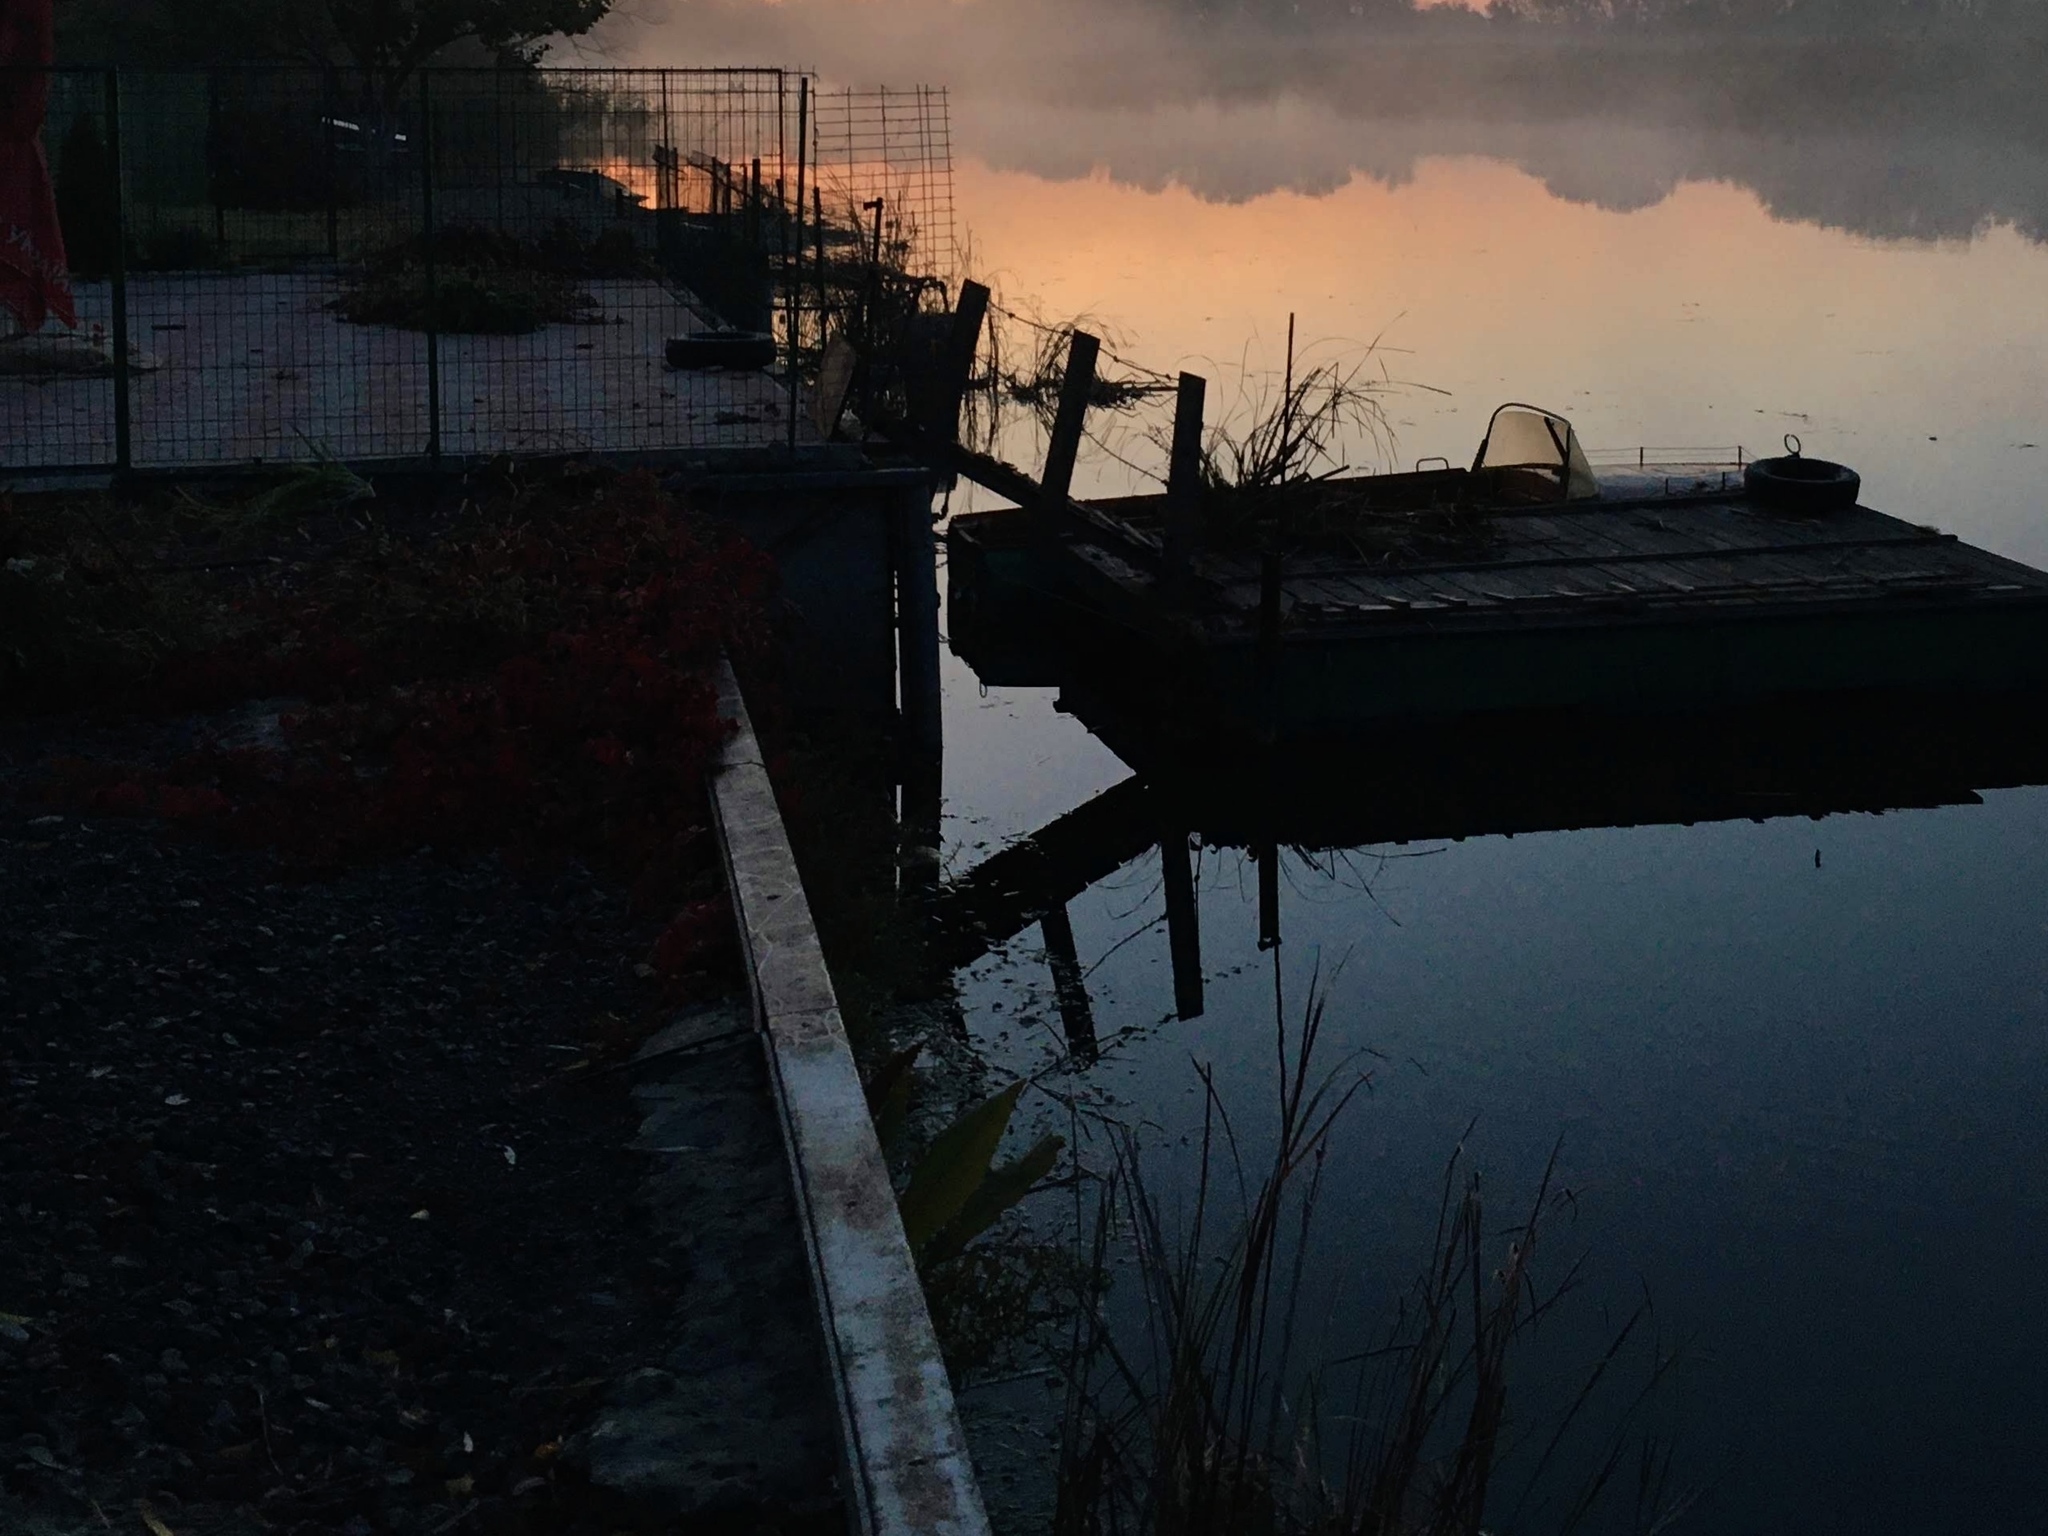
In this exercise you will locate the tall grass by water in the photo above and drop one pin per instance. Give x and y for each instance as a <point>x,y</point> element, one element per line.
<point>1194,1409</point>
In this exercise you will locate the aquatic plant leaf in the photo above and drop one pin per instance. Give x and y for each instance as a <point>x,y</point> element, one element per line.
<point>954,1166</point>
<point>1002,1189</point>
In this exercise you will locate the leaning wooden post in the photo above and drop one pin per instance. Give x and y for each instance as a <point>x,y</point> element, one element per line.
<point>1184,481</point>
<point>956,366</point>
<point>1067,422</point>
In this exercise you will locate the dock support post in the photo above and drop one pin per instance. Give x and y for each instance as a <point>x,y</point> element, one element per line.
<point>1069,986</point>
<point>1183,925</point>
<point>1075,387</point>
<point>1184,482</point>
<point>1266,663</point>
<point>922,742</point>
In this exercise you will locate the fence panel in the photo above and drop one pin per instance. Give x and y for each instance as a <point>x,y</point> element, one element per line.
<point>253,198</point>
<point>483,262</point>
<point>891,145</point>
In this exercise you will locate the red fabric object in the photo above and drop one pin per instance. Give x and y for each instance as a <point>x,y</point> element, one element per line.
<point>33,280</point>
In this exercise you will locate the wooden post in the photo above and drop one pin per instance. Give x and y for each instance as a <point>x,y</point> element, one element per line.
<point>1069,984</point>
<point>1184,480</point>
<point>956,364</point>
<point>1065,446</point>
<point>1266,663</point>
<point>917,618</point>
<point>921,743</point>
<point>1183,925</point>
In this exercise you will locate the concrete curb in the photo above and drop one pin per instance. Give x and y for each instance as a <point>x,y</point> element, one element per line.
<point>905,1467</point>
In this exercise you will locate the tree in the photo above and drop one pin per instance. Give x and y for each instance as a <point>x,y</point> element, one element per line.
<point>390,39</point>
<point>385,41</point>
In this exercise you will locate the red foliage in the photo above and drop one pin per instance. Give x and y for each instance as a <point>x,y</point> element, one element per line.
<point>586,737</point>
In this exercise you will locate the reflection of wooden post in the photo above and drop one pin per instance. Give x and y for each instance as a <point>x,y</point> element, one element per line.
<point>1075,387</point>
<point>1268,857</point>
<point>1069,987</point>
<point>918,822</point>
<point>1184,480</point>
<point>1183,925</point>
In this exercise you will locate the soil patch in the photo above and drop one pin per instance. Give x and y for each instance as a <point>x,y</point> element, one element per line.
<point>341,917</point>
<point>303,1226</point>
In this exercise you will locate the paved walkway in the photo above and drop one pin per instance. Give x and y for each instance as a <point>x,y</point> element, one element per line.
<point>257,369</point>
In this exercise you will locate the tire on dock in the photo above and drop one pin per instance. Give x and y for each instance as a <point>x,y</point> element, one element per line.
<point>1795,483</point>
<point>721,349</point>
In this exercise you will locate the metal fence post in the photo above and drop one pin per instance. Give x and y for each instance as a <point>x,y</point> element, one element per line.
<point>213,186</point>
<point>432,276</point>
<point>793,250</point>
<point>123,446</point>
<point>330,101</point>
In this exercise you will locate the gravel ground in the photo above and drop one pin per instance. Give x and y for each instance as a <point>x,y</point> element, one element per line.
<point>319,1209</point>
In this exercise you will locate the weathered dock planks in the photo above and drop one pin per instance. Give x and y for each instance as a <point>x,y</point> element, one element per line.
<point>1629,601</point>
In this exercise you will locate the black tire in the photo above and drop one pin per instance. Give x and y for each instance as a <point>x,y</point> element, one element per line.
<point>721,349</point>
<point>1798,484</point>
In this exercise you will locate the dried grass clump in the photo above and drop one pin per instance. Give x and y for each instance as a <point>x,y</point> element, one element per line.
<point>487,283</point>
<point>1280,483</point>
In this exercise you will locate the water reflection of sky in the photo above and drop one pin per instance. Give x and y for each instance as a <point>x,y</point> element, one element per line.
<point>1700,320</point>
<point>1802,1104</point>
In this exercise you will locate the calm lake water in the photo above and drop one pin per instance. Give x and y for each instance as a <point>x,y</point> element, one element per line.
<point>1802,1101</point>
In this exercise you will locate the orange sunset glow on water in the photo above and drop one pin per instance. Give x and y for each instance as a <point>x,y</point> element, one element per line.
<point>1698,321</point>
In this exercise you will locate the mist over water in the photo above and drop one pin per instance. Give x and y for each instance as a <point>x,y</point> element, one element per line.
<point>1898,140</point>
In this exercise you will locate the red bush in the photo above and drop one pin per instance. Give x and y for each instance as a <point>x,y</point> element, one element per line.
<point>583,732</point>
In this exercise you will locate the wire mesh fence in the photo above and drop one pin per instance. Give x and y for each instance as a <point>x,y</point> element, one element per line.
<point>891,147</point>
<point>272,265</point>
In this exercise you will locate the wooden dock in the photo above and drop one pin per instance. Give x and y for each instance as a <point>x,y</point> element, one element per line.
<point>1301,608</point>
<point>1667,591</point>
